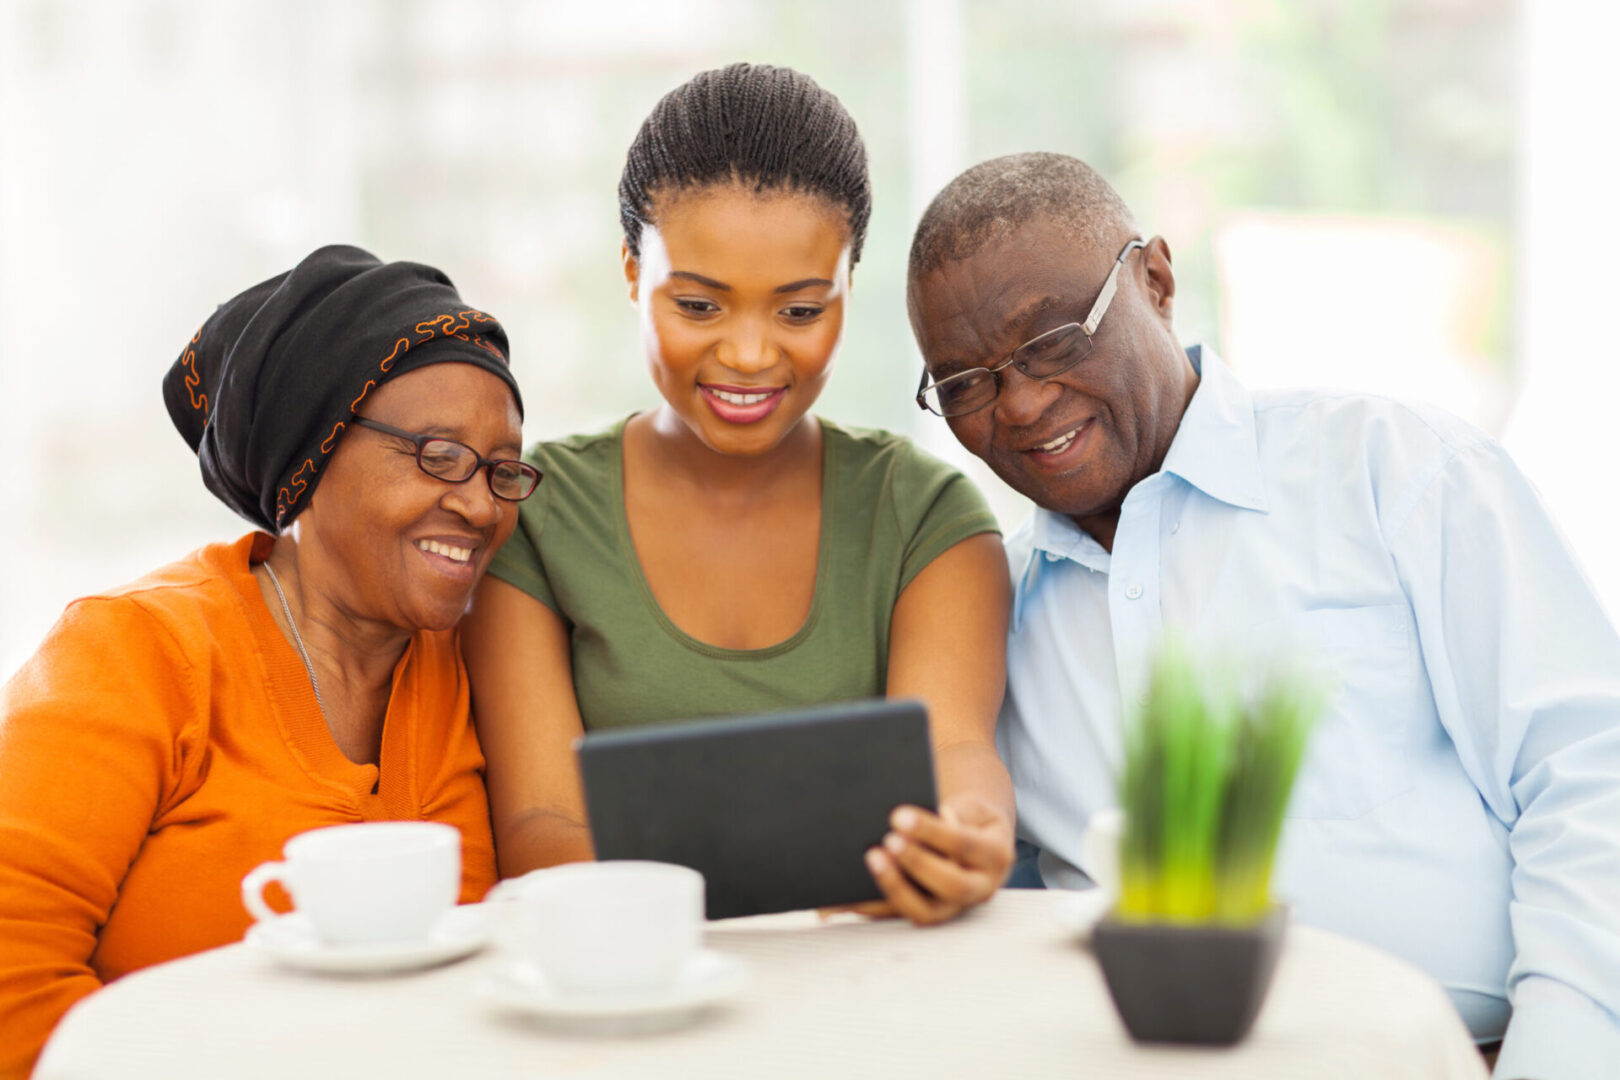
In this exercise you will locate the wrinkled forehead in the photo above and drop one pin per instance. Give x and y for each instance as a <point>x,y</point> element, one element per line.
<point>458,401</point>
<point>966,311</point>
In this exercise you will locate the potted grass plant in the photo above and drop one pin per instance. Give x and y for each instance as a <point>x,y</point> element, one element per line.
<point>1190,946</point>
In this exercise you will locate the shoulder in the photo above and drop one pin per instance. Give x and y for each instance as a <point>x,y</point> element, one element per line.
<point>570,513</point>
<point>886,455</point>
<point>927,504</point>
<point>142,655</point>
<point>1399,447</point>
<point>187,601</point>
<point>1392,451</point>
<point>574,468</point>
<point>1367,422</point>
<point>589,455</point>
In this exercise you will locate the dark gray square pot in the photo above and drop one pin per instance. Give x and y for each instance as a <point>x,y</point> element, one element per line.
<point>1189,984</point>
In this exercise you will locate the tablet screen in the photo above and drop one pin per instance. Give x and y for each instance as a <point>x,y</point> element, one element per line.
<point>776,810</point>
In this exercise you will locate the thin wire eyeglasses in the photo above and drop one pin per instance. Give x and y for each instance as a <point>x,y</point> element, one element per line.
<point>1041,357</point>
<point>455,463</point>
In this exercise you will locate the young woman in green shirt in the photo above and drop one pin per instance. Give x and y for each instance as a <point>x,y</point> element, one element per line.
<point>728,551</point>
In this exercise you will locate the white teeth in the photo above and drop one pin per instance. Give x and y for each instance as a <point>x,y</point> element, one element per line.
<point>741,399</point>
<point>459,554</point>
<point>1058,444</point>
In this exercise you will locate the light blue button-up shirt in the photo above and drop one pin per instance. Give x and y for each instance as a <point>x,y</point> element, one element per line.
<point>1460,802</point>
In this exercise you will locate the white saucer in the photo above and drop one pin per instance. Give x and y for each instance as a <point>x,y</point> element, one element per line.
<point>291,940</point>
<point>708,978</point>
<point>1079,910</point>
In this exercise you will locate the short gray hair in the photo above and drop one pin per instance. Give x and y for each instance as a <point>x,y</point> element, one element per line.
<point>993,199</point>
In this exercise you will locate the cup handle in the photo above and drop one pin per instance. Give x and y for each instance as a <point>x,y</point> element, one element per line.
<point>253,888</point>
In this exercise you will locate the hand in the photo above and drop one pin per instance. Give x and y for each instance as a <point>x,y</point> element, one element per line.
<point>932,867</point>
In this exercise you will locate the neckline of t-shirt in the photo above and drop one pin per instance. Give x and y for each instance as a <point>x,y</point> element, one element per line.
<point>628,549</point>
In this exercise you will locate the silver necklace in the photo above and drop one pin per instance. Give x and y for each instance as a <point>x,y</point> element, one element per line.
<point>298,639</point>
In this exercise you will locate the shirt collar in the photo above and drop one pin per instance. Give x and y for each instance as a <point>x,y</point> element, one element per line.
<point>1215,450</point>
<point>1057,535</point>
<point>1048,537</point>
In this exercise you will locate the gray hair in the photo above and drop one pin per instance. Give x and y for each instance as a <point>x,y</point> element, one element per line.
<point>993,199</point>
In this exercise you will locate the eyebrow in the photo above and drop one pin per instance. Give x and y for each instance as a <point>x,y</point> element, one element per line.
<point>1014,323</point>
<point>439,431</point>
<point>792,286</point>
<point>701,280</point>
<point>807,283</point>
<point>1029,312</point>
<point>507,451</point>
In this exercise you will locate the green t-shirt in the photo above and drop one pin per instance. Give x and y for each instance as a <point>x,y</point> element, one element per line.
<point>887,510</point>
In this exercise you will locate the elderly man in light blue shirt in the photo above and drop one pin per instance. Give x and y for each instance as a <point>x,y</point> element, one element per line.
<point>1460,802</point>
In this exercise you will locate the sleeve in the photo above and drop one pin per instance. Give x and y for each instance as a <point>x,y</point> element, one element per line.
<point>89,754</point>
<point>518,561</point>
<point>1525,667</point>
<point>937,507</point>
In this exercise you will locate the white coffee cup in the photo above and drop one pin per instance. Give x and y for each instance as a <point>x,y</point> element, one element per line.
<point>608,927</point>
<point>1099,848</point>
<point>371,883</point>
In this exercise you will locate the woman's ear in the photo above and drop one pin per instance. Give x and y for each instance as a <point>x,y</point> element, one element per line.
<point>632,270</point>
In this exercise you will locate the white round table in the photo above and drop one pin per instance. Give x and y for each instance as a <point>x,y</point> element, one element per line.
<point>1007,991</point>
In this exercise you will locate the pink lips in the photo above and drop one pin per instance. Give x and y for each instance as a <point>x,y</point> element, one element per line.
<point>733,413</point>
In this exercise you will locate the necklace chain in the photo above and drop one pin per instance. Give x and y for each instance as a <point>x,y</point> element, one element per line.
<point>298,639</point>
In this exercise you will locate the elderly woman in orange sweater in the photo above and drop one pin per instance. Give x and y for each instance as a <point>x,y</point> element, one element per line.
<point>171,734</point>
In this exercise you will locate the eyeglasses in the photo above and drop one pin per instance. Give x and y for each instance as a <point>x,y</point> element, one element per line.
<point>455,463</point>
<point>1052,353</point>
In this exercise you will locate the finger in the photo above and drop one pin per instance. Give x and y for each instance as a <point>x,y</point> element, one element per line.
<point>906,897</point>
<point>983,846</point>
<point>947,879</point>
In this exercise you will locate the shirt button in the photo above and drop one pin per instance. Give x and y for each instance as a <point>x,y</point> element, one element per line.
<point>1052,556</point>
<point>1133,591</point>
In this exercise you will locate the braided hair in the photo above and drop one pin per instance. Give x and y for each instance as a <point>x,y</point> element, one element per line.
<point>769,127</point>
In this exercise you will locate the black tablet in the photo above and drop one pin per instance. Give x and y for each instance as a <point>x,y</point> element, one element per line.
<point>776,810</point>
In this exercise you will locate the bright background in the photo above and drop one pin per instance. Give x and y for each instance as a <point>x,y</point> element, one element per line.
<point>1412,197</point>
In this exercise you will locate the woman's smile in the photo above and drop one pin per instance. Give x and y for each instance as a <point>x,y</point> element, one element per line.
<point>742,405</point>
<point>451,557</point>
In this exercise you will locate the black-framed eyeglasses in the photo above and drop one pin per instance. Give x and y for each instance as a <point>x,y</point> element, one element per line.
<point>1042,357</point>
<point>455,463</point>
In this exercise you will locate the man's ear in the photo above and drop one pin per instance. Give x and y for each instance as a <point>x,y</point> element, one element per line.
<point>1161,278</point>
<point>632,270</point>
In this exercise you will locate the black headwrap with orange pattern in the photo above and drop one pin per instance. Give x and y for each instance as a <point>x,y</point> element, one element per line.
<point>265,389</point>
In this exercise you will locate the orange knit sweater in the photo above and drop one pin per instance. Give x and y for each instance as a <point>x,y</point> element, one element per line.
<point>163,742</point>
